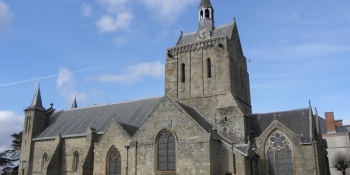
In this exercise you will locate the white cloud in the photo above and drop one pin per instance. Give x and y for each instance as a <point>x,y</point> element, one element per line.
<point>168,9</point>
<point>5,16</point>
<point>10,123</point>
<point>108,23</point>
<point>65,79</point>
<point>114,6</point>
<point>121,40</point>
<point>135,73</point>
<point>66,83</point>
<point>86,10</point>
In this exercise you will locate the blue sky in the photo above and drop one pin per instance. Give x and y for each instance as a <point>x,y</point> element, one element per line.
<point>114,50</point>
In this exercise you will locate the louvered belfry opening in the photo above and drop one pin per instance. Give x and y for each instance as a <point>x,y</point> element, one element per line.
<point>166,151</point>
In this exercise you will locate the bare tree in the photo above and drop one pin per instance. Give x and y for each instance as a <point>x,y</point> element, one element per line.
<point>340,162</point>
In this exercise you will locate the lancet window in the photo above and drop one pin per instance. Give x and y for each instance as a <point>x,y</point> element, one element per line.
<point>166,151</point>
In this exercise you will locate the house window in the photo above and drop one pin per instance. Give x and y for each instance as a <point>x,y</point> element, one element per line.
<point>166,151</point>
<point>279,154</point>
<point>44,159</point>
<point>75,161</point>
<point>113,162</point>
<point>183,77</point>
<point>209,67</point>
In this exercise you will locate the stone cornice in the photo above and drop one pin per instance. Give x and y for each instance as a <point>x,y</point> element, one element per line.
<point>197,45</point>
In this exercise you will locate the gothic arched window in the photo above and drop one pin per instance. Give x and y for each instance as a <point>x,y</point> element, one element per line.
<point>279,154</point>
<point>166,151</point>
<point>44,159</point>
<point>75,161</point>
<point>113,162</point>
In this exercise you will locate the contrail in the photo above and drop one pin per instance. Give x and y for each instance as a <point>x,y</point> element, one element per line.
<point>53,76</point>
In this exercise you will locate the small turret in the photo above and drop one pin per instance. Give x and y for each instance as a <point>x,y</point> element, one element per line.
<point>34,123</point>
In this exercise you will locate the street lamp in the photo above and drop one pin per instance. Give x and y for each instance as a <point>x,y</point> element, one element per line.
<point>24,164</point>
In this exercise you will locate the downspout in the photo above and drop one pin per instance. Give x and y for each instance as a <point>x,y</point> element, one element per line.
<point>127,159</point>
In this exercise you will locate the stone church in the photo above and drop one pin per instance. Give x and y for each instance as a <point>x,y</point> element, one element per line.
<point>202,125</point>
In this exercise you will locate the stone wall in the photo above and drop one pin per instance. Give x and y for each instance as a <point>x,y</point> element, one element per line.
<point>337,142</point>
<point>192,147</point>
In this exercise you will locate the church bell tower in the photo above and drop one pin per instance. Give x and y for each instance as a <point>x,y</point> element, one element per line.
<point>207,70</point>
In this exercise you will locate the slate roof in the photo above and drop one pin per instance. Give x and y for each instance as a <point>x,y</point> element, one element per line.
<point>36,102</point>
<point>130,115</point>
<point>296,120</point>
<point>339,129</point>
<point>197,117</point>
<point>225,30</point>
<point>322,125</point>
<point>343,129</point>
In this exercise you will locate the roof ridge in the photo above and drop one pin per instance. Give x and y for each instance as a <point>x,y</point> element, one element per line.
<point>114,103</point>
<point>299,109</point>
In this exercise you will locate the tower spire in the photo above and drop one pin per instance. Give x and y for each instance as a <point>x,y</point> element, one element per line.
<point>205,3</point>
<point>75,105</point>
<point>36,103</point>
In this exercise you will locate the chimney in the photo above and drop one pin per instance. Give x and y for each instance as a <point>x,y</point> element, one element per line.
<point>330,124</point>
<point>338,122</point>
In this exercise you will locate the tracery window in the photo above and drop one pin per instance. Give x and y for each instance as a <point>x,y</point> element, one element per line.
<point>75,161</point>
<point>166,151</point>
<point>279,154</point>
<point>113,162</point>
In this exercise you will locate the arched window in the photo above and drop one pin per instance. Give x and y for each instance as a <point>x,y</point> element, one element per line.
<point>44,159</point>
<point>166,151</point>
<point>279,154</point>
<point>207,13</point>
<point>183,76</point>
<point>113,162</point>
<point>75,161</point>
<point>209,67</point>
<point>201,14</point>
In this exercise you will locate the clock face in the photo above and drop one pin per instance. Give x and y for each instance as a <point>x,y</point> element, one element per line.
<point>203,33</point>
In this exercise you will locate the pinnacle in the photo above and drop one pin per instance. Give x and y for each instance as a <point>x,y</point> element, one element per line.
<point>36,103</point>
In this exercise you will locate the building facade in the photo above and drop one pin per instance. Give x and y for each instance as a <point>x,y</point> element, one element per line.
<point>202,125</point>
<point>338,139</point>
